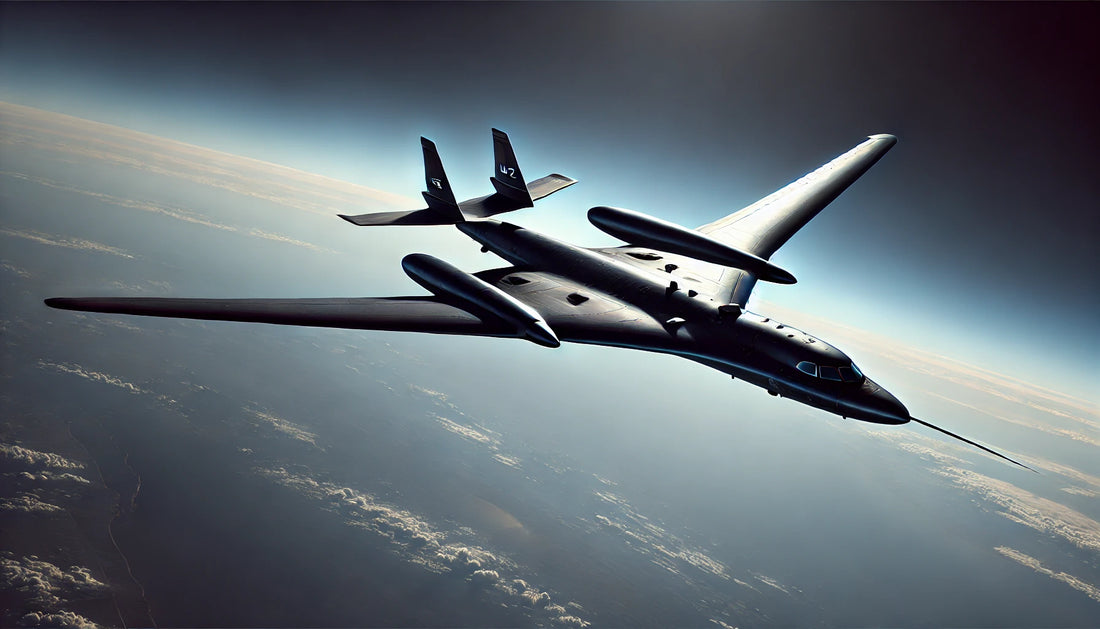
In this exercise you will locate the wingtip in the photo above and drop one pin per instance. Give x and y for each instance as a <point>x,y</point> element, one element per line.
<point>892,139</point>
<point>67,303</point>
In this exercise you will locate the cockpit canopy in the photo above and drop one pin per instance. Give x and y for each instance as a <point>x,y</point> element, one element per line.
<point>838,373</point>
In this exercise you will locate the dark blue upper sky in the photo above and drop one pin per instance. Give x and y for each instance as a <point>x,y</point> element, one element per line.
<point>977,232</point>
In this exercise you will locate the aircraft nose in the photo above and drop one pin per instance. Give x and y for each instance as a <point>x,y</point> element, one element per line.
<point>874,404</point>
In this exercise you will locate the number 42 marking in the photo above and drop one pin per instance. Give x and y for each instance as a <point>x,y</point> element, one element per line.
<point>511,172</point>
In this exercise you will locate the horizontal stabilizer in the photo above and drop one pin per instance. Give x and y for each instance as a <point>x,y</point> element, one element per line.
<point>548,185</point>
<point>512,192</point>
<point>426,216</point>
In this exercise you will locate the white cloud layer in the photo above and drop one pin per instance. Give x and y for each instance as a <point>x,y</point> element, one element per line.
<point>419,542</point>
<point>35,459</point>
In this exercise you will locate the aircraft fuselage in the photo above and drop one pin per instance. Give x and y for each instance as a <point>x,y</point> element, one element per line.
<point>756,349</point>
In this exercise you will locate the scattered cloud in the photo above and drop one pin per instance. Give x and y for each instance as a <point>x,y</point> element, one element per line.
<point>466,432</point>
<point>14,270</point>
<point>510,461</point>
<point>419,542</point>
<point>771,582</point>
<point>56,620</point>
<point>95,376</point>
<point>28,503</point>
<point>1024,507</point>
<point>266,235</point>
<point>79,244</point>
<point>1090,590</point>
<point>650,539</point>
<point>46,585</point>
<point>1042,427</point>
<point>36,459</point>
<point>49,476</point>
<point>283,426</point>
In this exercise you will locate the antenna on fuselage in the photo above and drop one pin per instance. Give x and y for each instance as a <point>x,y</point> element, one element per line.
<point>973,443</point>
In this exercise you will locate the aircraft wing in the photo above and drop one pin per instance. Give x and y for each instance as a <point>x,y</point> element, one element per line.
<point>408,314</point>
<point>575,313</point>
<point>763,227</point>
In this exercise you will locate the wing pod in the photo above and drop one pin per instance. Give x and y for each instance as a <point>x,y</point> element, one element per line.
<point>646,231</point>
<point>450,283</point>
<point>512,192</point>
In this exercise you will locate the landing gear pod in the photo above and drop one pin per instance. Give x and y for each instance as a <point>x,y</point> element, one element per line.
<point>646,231</point>
<point>449,282</point>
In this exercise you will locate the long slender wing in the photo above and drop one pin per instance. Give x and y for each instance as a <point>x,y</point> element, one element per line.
<point>406,314</point>
<point>576,314</point>
<point>762,227</point>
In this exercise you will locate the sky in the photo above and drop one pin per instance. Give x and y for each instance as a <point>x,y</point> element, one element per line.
<point>975,234</point>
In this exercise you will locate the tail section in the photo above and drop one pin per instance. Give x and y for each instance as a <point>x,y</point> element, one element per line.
<point>512,192</point>
<point>507,178</point>
<point>438,194</point>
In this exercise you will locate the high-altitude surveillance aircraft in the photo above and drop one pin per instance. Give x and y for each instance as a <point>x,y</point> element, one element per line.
<point>670,289</point>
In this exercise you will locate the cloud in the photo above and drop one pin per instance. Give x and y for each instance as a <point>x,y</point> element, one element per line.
<point>419,542</point>
<point>646,537</point>
<point>1090,590</point>
<point>1024,507</point>
<point>15,270</point>
<point>771,582</point>
<point>510,461</point>
<point>47,476</point>
<point>266,235</point>
<point>95,376</point>
<point>28,503</point>
<point>1047,428</point>
<point>56,620</point>
<point>286,427</point>
<point>466,432</point>
<point>79,244</point>
<point>34,458</point>
<point>46,585</point>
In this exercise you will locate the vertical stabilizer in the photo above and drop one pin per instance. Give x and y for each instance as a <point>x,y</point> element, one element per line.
<point>438,194</point>
<point>507,178</point>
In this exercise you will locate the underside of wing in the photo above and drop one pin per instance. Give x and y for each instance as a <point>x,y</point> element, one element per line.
<point>404,314</point>
<point>764,226</point>
<point>579,314</point>
<point>575,313</point>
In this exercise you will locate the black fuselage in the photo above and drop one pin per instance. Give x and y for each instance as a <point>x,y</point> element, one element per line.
<point>756,349</point>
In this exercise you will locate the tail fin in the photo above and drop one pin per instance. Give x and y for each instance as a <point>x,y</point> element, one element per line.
<point>439,195</point>
<point>512,192</point>
<point>507,178</point>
